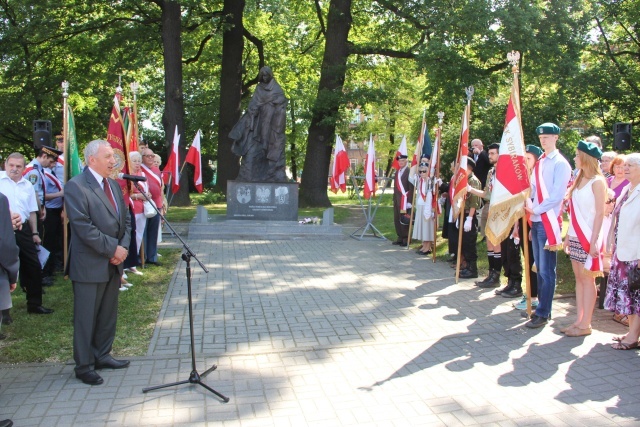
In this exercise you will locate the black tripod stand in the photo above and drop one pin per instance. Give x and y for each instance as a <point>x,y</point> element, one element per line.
<point>194,377</point>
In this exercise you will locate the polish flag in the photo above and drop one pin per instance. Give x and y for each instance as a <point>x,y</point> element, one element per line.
<point>194,157</point>
<point>370,182</point>
<point>340,166</point>
<point>172,165</point>
<point>402,150</point>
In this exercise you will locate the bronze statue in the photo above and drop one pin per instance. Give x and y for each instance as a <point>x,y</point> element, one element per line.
<point>259,135</point>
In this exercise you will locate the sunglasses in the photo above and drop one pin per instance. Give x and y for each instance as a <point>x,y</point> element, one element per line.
<point>612,200</point>
<point>423,171</point>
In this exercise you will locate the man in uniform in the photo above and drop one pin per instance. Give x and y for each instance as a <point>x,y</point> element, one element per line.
<point>548,186</point>
<point>402,190</point>
<point>470,227</point>
<point>53,228</point>
<point>22,199</point>
<point>34,173</point>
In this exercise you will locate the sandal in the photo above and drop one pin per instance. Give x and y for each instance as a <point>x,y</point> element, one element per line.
<point>621,318</point>
<point>624,346</point>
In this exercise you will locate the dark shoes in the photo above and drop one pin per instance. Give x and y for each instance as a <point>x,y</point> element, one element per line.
<point>47,281</point>
<point>393,243</point>
<point>156,263</point>
<point>39,310</point>
<point>90,377</point>
<point>6,317</point>
<point>514,292</point>
<point>492,280</point>
<point>468,274</point>
<point>536,322</point>
<point>111,363</point>
<point>6,423</point>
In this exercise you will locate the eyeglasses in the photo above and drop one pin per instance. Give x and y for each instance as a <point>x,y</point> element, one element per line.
<point>148,155</point>
<point>422,171</point>
<point>611,200</point>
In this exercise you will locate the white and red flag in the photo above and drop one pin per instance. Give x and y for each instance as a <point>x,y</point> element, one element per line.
<point>434,172</point>
<point>402,150</point>
<point>510,185</point>
<point>340,166</point>
<point>172,166</point>
<point>460,179</point>
<point>370,182</point>
<point>194,157</point>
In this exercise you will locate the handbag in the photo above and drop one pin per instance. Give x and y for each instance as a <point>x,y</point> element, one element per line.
<point>634,279</point>
<point>149,209</point>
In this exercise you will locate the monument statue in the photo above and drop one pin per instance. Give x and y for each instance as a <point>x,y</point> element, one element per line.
<point>259,135</point>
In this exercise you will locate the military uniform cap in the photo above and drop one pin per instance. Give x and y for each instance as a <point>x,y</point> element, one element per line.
<point>50,151</point>
<point>401,156</point>
<point>590,148</point>
<point>471,162</point>
<point>534,149</point>
<point>548,129</point>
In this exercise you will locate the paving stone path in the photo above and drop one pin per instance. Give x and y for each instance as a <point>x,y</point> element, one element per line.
<point>341,333</point>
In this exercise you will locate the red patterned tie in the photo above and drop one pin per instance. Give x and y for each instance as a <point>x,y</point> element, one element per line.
<point>107,190</point>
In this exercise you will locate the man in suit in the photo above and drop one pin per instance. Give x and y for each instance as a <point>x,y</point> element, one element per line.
<point>402,191</point>
<point>100,235</point>
<point>9,261</point>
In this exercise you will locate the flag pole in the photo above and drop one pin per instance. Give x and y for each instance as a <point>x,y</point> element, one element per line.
<point>469,91</point>
<point>65,139</point>
<point>415,184</point>
<point>514,57</point>
<point>435,191</point>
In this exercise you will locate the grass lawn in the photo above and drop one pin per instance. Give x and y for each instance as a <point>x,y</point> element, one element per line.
<point>48,338</point>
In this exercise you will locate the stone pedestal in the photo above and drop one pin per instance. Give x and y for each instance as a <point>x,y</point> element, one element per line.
<point>270,201</point>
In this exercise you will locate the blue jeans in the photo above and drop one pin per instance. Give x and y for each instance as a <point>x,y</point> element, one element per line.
<point>151,239</point>
<point>546,267</point>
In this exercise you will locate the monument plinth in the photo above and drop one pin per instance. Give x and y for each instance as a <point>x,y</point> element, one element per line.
<point>269,201</point>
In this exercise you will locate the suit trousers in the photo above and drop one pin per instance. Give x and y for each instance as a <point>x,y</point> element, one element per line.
<point>469,245</point>
<point>511,258</point>
<point>151,239</point>
<point>95,309</point>
<point>30,268</point>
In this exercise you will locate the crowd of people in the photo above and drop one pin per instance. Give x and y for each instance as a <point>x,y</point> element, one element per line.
<point>111,235</point>
<point>599,199</point>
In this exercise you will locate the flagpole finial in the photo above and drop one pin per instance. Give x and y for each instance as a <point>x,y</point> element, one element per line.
<point>513,57</point>
<point>134,87</point>
<point>440,115</point>
<point>65,89</point>
<point>469,91</point>
<point>119,88</point>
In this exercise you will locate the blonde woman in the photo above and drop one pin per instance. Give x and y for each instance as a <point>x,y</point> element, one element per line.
<point>583,241</point>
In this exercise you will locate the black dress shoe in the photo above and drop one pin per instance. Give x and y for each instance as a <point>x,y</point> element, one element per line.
<point>468,274</point>
<point>39,310</point>
<point>536,322</point>
<point>6,423</point>
<point>47,281</point>
<point>111,363</point>
<point>396,243</point>
<point>90,377</point>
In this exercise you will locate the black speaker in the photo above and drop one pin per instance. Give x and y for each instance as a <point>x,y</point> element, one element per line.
<point>41,134</point>
<point>622,136</point>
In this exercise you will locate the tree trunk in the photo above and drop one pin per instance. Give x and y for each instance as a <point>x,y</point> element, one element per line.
<point>230,90</point>
<point>315,173</point>
<point>174,104</point>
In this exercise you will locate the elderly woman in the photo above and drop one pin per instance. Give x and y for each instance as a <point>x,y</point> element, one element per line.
<point>583,241</point>
<point>605,162</point>
<point>617,180</point>
<point>135,164</point>
<point>423,229</point>
<point>625,235</point>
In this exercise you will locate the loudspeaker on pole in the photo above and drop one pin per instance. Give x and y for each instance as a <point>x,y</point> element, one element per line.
<point>41,134</point>
<point>622,136</point>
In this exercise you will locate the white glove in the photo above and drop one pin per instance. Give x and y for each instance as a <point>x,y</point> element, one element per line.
<point>469,188</point>
<point>467,223</point>
<point>516,241</point>
<point>438,181</point>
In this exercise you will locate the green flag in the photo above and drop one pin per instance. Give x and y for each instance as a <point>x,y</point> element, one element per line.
<point>72,164</point>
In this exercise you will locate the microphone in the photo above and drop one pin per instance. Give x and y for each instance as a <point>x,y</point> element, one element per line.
<point>131,177</point>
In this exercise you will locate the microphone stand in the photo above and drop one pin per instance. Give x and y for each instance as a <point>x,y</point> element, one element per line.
<point>194,377</point>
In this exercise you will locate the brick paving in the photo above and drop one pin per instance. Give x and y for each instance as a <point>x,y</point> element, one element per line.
<point>341,333</point>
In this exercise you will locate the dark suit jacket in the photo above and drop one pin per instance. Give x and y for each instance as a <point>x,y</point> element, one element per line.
<point>96,228</point>
<point>9,262</point>
<point>482,167</point>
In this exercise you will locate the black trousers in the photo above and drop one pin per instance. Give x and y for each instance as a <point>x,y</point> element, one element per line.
<point>30,268</point>
<point>52,239</point>
<point>510,254</point>
<point>452,232</point>
<point>469,244</point>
